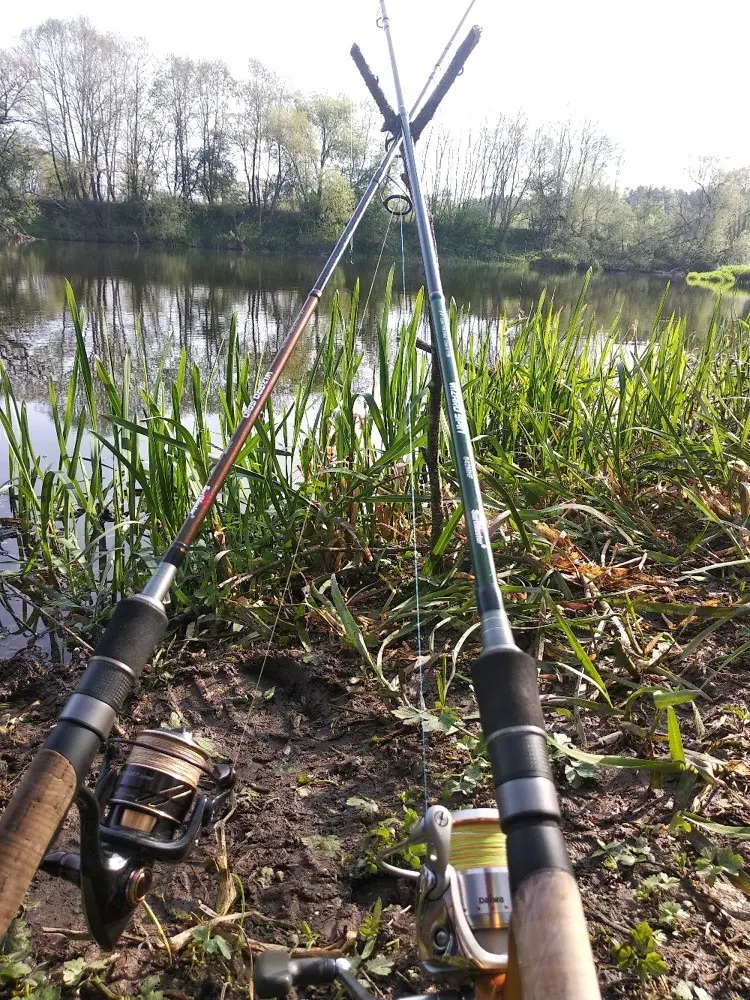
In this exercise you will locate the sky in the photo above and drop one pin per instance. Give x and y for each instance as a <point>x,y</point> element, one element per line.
<point>667,80</point>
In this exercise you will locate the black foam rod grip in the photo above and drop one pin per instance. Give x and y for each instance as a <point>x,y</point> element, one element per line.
<point>390,118</point>
<point>137,625</point>
<point>126,646</point>
<point>432,103</point>
<point>505,685</point>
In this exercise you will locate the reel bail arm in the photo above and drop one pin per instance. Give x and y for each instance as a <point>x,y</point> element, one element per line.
<point>463,895</point>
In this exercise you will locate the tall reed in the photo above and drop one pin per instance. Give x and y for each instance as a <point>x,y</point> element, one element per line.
<point>572,425</point>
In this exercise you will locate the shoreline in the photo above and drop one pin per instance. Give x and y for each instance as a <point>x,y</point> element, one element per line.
<point>532,262</point>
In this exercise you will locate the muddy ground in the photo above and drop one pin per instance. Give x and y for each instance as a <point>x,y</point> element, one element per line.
<point>308,734</point>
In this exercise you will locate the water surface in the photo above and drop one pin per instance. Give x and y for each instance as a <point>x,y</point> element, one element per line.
<point>187,299</point>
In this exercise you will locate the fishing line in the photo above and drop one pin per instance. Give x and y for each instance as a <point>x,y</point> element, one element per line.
<point>417,603</point>
<point>374,275</point>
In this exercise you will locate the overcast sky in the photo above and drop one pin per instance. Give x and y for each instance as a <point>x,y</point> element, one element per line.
<point>668,80</point>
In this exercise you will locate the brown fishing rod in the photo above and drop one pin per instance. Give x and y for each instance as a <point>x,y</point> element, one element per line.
<point>56,776</point>
<point>551,958</point>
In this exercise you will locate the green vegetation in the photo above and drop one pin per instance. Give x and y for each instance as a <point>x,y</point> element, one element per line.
<point>574,430</point>
<point>723,279</point>
<point>640,954</point>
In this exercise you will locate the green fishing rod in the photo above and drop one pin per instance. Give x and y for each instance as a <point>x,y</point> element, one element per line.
<point>550,954</point>
<point>152,805</point>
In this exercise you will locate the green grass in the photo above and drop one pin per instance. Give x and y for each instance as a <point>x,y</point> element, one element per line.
<point>617,483</point>
<point>723,278</point>
<point>607,468</point>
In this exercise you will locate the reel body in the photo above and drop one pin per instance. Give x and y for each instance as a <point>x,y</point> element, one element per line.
<point>152,808</point>
<point>463,906</point>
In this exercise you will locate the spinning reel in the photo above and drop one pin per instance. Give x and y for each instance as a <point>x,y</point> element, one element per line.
<point>150,808</point>
<point>463,906</point>
<point>463,913</point>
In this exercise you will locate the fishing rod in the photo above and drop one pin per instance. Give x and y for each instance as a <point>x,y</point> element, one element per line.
<point>498,909</point>
<point>154,794</point>
<point>551,944</point>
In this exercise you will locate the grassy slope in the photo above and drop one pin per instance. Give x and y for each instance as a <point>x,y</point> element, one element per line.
<point>617,480</point>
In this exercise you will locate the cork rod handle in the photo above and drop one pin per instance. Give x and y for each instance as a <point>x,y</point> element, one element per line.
<point>28,825</point>
<point>552,954</point>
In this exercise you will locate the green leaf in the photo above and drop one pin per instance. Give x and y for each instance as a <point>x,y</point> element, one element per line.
<point>223,946</point>
<point>662,699</point>
<point>73,971</point>
<point>583,657</point>
<point>579,771</point>
<point>10,971</point>
<point>603,760</point>
<point>379,966</point>
<point>352,630</point>
<point>670,914</point>
<point>211,747</point>
<point>149,989</point>
<point>364,805</point>
<point>738,832</point>
<point>675,739</point>
<point>651,966</point>
<point>728,861</point>
<point>411,716</point>
<point>16,941</point>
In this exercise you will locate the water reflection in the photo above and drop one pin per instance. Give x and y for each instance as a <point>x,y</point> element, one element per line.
<point>187,299</point>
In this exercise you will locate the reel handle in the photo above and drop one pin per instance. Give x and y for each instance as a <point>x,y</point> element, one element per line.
<point>276,972</point>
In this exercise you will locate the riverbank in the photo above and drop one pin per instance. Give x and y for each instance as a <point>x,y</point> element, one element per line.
<point>169,223</point>
<point>617,483</point>
<point>175,224</point>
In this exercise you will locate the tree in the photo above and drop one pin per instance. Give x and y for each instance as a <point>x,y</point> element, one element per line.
<point>16,153</point>
<point>506,156</point>
<point>257,138</point>
<point>76,100</point>
<point>317,136</point>
<point>569,163</point>
<point>214,167</point>
<point>143,130</point>
<point>175,95</point>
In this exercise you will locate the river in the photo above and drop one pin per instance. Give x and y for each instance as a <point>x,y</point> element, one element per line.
<point>188,297</point>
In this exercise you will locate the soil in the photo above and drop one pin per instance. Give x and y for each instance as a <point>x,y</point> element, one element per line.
<point>309,733</point>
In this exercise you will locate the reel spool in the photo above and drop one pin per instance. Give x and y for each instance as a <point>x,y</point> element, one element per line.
<point>463,907</point>
<point>154,792</point>
<point>151,808</point>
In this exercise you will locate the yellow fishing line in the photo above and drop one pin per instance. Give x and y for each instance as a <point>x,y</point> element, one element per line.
<point>477,844</point>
